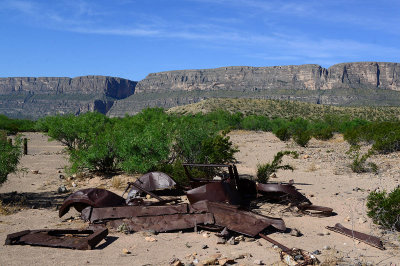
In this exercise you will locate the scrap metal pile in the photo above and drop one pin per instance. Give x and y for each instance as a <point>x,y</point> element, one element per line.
<point>222,202</point>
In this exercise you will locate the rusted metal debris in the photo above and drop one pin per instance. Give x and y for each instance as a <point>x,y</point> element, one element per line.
<point>150,182</point>
<point>368,239</point>
<point>94,197</point>
<point>293,256</point>
<point>183,216</point>
<point>243,222</point>
<point>58,238</point>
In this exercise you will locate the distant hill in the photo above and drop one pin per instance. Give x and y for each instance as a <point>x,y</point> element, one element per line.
<point>346,84</point>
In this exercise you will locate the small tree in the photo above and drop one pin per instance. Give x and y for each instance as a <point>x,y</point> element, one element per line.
<point>265,170</point>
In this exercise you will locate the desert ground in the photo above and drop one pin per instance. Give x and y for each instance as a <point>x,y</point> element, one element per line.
<point>30,201</point>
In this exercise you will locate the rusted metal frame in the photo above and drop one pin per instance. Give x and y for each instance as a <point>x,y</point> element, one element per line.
<point>244,222</point>
<point>164,223</point>
<point>368,239</point>
<point>288,255</point>
<point>110,213</point>
<point>284,248</point>
<point>58,238</point>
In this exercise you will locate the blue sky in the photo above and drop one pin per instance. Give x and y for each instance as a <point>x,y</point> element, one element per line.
<point>132,38</point>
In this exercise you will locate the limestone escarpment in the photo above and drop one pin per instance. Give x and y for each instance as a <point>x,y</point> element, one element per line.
<point>363,83</point>
<point>309,77</point>
<point>37,97</point>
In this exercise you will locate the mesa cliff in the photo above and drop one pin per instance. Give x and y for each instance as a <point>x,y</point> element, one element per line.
<point>360,83</point>
<point>36,97</point>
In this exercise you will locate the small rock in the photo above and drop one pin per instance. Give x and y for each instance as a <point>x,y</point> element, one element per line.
<point>220,240</point>
<point>226,261</point>
<point>249,239</point>
<point>206,235</point>
<point>195,261</point>
<point>326,248</point>
<point>204,246</point>
<point>62,177</point>
<point>62,189</point>
<point>258,262</point>
<point>273,175</point>
<point>356,189</point>
<point>188,245</point>
<point>232,241</point>
<point>35,172</point>
<point>224,232</point>
<point>150,239</point>
<point>73,176</point>
<point>311,195</point>
<point>177,263</point>
<point>295,232</point>
<point>347,219</point>
<point>239,238</point>
<point>306,156</point>
<point>357,242</point>
<point>73,184</point>
<point>316,252</point>
<point>125,251</point>
<point>148,196</point>
<point>326,233</point>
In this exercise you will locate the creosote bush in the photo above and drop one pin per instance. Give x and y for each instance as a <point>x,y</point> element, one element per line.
<point>265,170</point>
<point>384,208</point>
<point>9,156</point>
<point>359,163</point>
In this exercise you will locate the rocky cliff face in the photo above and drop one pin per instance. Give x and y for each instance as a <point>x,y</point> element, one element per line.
<point>37,97</point>
<point>303,77</point>
<point>363,83</point>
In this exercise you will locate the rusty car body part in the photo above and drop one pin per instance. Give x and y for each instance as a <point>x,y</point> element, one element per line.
<point>138,187</point>
<point>94,197</point>
<point>243,222</point>
<point>95,215</point>
<point>215,191</point>
<point>368,239</point>
<point>293,256</point>
<point>58,238</point>
<point>150,182</point>
<point>283,193</point>
<point>164,223</point>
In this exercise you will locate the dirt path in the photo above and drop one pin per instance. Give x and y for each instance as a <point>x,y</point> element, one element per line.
<point>321,173</point>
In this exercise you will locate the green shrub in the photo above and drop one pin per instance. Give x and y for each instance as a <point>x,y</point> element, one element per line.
<point>300,132</point>
<point>322,130</point>
<point>13,126</point>
<point>265,170</point>
<point>359,164</point>
<point>282,133</point>
<point>384,209</point>
<point>9,157</point>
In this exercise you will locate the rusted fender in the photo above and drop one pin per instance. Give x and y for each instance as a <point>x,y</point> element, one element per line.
<point>58,238</point>
<point>94,197</point>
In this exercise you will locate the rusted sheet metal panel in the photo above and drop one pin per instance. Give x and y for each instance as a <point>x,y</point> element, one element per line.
<point>58,238</point>
<point>216,192</point>
<point>110,213</point>
<point>164,223</point>
<point>317,210</point>
<point>244,222</point>
<point>94,197</point>
<point>368,239</point>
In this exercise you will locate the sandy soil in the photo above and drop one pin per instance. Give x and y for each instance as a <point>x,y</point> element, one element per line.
<point>321,173</point>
